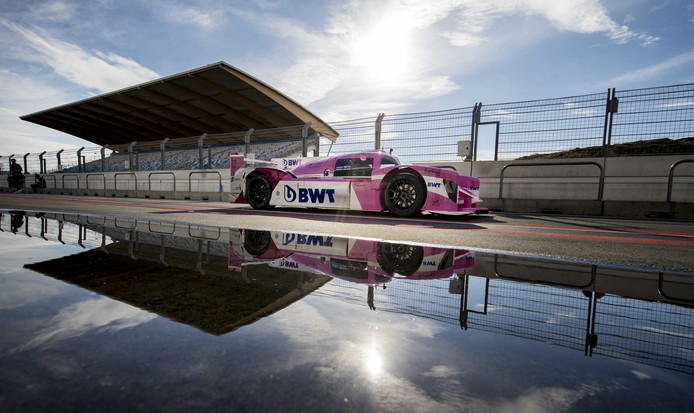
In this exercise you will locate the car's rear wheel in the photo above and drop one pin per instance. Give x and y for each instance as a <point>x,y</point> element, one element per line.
<point>258,192</point>
<point>404,194</point>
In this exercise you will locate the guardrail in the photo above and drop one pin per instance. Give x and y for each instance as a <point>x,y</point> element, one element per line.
<point>55,181</point>
<point>190,181</point>
<point>115,180</point>
<point>65,176</point>
<point>600,184</point>
<point>662,292</point>
<point>671,176</point>
<point>593,273</point>
<point>102,176</point>
<point>149,181</point>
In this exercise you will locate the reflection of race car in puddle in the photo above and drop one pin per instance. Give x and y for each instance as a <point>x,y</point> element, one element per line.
<point>357,260</point>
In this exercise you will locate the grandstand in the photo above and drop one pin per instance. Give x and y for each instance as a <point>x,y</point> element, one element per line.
<point>214,157</point>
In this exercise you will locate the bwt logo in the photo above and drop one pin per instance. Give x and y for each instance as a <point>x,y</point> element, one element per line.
<point>310,240</point>
<point>429,263</point>
<point>312,195</point>
<point>434,184</point>
<point>289,264</point>
<point>291,162</point>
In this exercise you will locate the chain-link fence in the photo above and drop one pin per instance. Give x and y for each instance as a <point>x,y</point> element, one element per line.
<point>630,122</point>
<point>415,136</point>
<point>547,126</point>
<point>653,121</point>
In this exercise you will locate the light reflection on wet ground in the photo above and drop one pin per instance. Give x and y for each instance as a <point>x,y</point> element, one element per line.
<point>114,314</point>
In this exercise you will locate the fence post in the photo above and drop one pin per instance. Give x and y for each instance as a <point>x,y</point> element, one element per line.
<point>41,165</point>
<point>611,106</point>
<point>103,160</point>
<point>57,155</point>
<point>316,136</point>
<point>247,141</point>
<point>79,159</point>
<point>163,153</point>
<point>377,131</point>
<point>200,155</point>
<point>130,154</point>
<point>476,116</point>
<point>25,161</point>
<point>304,139</point>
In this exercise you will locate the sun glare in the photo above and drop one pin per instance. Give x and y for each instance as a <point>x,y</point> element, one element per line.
<point>383,51</point>
<point>373,363</point>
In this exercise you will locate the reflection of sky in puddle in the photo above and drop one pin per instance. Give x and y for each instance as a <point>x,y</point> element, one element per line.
<point>328,351</point>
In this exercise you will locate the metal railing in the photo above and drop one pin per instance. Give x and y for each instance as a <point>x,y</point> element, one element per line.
<point>534,164</point>
<point>671,176</point>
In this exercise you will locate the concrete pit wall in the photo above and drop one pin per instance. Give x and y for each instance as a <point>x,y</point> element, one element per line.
<point>633,186</point>
<point>180,184</point>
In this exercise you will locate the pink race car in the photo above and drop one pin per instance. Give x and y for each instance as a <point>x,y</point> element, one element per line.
<point>364,181</point>
<point>357,260</point>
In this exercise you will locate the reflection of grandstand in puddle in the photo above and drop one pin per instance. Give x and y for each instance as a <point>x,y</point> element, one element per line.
<point>184,278</point>
<point>620,313</point>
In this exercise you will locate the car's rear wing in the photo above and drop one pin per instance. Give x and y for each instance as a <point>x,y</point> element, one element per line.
<point>238,161</point>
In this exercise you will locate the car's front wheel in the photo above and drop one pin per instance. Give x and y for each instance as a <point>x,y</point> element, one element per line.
<point>401,259</point>
<point>404,194</point>
<point>258,192</point>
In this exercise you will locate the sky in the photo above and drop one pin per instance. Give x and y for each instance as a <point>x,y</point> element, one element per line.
<point>340,59</point>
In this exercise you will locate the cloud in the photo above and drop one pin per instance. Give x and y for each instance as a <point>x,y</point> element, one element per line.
<point>83,317</point>
<point>55,11</point>
<point>653,71</point>
<point>206,19</point>
<point>548,399</point>
<point>388,55</point>
<point>99,71</point>
<point>578,16</point>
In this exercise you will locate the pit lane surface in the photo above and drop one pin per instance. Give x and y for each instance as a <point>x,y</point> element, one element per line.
<point>664,245</point>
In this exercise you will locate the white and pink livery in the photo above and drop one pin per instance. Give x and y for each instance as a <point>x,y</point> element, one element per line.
<point>363,181</point>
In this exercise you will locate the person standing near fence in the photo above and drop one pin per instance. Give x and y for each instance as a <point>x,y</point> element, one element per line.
<point>16,178</point>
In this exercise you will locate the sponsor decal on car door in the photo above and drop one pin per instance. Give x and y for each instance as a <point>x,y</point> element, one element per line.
<point>321,194</point>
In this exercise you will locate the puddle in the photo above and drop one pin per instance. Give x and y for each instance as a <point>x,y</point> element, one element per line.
<point>154,315</point>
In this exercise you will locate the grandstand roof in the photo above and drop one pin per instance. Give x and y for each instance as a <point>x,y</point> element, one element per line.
<point>216,98</point>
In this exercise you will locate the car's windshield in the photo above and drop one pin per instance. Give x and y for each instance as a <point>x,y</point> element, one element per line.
<point>390,160</point>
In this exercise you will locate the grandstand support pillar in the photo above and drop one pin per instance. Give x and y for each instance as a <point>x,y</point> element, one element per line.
<point>42,165</point>
<point>79,159</point>
<point>247,141</point>
<point>162,146</point>
<point>316,136</point>
<point>25,161</point>
<point>130,155</point>
<point>103,158</point>
<point>200,155</point>
<point>304,139</point>
<point>57,155</point>
<point>377,131</point>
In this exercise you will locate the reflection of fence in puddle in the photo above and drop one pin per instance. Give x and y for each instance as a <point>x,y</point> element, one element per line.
<point>61,228</point>
<point>636,316</point>
<point>640,330</point>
